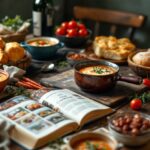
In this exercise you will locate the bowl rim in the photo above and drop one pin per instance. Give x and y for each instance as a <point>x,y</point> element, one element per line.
<point>43,38</point>
<point>5,73</point>
<point>131,62</point>
<point>98,63</point>
<point>112,127</point>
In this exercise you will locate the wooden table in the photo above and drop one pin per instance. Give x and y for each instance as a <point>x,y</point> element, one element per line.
<point>99,123</point>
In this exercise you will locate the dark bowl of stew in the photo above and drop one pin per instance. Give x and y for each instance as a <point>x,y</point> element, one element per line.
<point>99,76</point>
<point>130,128</point>
<point>42,48</point>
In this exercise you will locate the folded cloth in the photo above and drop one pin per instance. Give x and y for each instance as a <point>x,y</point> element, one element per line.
<point>14,72</point>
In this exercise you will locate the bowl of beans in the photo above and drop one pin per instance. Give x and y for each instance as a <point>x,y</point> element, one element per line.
<point>130,128</point>
<point>73,58</point>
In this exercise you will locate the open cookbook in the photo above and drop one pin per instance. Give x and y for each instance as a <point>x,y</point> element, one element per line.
<point>56,113</point>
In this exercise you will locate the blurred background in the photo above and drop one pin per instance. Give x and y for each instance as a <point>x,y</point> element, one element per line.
<point>64,12</point>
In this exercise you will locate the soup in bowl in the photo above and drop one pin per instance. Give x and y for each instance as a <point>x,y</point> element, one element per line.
<point>96,140</point>
<point>4,76</point>
<point>99,76</point>
<point>42,48</point>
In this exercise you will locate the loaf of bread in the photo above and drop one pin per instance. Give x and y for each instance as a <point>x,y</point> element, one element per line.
<point>142,58</point>
<point>110,47</point>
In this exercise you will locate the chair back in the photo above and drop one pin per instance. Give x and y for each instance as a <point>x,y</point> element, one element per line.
<point>116,19</point>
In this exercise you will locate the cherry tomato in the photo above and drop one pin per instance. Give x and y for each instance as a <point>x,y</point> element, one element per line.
<point>136,104</point>
<point>81,26</point>
<point>64,25</point>
<point>72,24</point>
<point>83,32</point>
<point>72,33</point>
<point>60,31</point>
<point>146,82</point>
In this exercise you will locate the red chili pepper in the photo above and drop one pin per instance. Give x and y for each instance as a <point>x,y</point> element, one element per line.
<point>146,82</point>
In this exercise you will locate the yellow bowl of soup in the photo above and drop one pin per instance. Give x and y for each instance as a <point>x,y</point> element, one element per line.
<point>4,76</point>
<point>95,140</point>
<point>42,48</point>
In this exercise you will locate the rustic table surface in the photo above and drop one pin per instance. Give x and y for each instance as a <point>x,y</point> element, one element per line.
<point>36,74</point>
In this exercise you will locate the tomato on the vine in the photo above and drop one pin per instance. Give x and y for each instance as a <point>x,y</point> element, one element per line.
<point>60,31</point>
<point>64,25</point>
<point>146,82</point>
<point>72,33</point>
<point>72,24</point>
<point>136,104</point>
<point>81,26</point>
<point>83,32</point>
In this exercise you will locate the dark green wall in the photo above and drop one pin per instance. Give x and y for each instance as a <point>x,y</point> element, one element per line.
<point>24,8</point>
<point>142,36</point>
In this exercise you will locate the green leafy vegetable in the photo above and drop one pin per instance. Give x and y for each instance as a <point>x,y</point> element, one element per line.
<point>145,97</point>
<point>13,23</point>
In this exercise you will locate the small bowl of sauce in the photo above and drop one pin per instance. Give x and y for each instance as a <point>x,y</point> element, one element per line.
<point>4,76</point>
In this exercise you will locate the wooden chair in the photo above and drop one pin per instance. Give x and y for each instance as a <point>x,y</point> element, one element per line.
<point>115,19</point>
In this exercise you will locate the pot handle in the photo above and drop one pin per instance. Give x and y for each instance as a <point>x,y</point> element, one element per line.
<point>130,79</point>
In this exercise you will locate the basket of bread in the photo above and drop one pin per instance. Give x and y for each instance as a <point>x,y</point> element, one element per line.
<point>12,53</point>
<point>13,29</point>
<point>139,61</point>
<point>112,48</point>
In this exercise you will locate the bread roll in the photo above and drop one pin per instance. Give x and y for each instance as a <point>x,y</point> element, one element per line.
<point>3,57</point>
<point>2,43</point>
<point>14,51</point>
<point>142,58</point>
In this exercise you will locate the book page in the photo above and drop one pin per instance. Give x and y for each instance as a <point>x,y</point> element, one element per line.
<point>32,117</point>
<point>71,104</point>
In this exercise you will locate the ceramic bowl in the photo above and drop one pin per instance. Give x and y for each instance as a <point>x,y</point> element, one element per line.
<point>4,76</point>
<point>140,70</point>
<point>74,41</point>
<point>42,52</point>
<point>86,136</point>
<point>128,138</point>
<point>74,58</point>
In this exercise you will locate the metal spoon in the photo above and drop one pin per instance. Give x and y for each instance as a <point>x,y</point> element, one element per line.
<point>48,67</point>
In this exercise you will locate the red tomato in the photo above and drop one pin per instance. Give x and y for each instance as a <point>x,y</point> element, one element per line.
<point>64,25</point>
<point>81,26</point>
<point>136,104</point>
<point>146,82</point>
<point>60,31</point>
<point>83,32</point>
<point>72,24</point>
<point>72,33</point>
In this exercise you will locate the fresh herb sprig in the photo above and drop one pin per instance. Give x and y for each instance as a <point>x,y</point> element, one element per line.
<point>99,70</point>
<point>91,146</point>
<point>145,97</point>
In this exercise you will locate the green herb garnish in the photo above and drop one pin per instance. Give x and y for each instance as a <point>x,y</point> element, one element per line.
<point>91,146</point>
<point>99,70</point>
<point>62,64</point>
